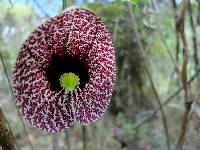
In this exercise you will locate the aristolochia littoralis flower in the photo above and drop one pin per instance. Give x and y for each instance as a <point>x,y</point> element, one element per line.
<point>65,72</point>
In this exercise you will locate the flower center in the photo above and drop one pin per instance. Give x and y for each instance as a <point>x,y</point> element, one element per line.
<point>69,81</point>
<point>66,72</point>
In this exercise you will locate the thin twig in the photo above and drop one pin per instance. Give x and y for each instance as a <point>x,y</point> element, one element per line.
<point>7,77</point>
<point>198,15</point>
<point>184,123</point>
<point>11,3</point>
<point>67,141</point>
<point>116,27</point>
<point>167,101</point>
<point>149,75</point>
<point>41,9</point>
<point>188,98</point>
<point>6,73</point>
<point>174,8</point>
<point>169,51</point>
<point>55,142</point>
<point>193,36</point>
<point>64,4</point>
<point>84,137</point>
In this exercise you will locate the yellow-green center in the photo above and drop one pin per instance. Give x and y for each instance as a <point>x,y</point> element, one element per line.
<point>69,81</point>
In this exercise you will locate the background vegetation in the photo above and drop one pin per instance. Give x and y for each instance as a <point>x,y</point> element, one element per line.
<point>152,39</point>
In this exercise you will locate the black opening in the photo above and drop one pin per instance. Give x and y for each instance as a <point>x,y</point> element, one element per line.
<point>65,64</point>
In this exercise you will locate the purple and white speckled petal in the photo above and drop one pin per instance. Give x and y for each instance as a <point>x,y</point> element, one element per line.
<point>76,41</point>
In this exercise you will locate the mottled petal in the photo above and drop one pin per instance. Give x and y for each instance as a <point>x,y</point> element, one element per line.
<point>96,96</point>
<point>76,41</point>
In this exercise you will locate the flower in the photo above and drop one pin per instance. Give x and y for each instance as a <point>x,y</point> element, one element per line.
<point>65,72</point>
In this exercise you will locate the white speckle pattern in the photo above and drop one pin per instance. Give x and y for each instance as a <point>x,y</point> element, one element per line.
<point>86,37</point>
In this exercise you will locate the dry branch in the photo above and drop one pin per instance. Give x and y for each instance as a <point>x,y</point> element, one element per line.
<point>84,137</point>
<point>164,121</point>
<point>10,3</point>
<point>174,8</point>
<point>169,51</point>
<point>167,101</point>
<point>193,36</point>
<point>180,26</point>
<point>198,15</point>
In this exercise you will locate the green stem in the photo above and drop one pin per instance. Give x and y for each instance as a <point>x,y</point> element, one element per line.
<point>84,137</point>
<point>67,140</point>
<point>64,4</point>
<point>11,3</point>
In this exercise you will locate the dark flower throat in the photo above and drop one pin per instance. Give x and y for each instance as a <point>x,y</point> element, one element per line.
<point>65,64</point>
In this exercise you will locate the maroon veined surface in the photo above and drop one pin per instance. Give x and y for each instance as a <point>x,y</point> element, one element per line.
<point>81,35</point>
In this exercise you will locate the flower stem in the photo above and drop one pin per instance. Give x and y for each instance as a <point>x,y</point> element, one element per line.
<point>67,140</point>
<point>84,137</point>
<point>11,3</point>
<point>64,4</point>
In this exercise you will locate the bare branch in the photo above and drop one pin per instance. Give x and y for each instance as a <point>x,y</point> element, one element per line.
<point>10,3</point>
<point>193,36</point>
<point>169,51</point>
<point>41,9</point>
<point>64,4</point>
<point>180,26</point>
<point>149,74</point>
<point>184,123</point>
<point>198,15</point>
<point>55,142</point>
<point>84,137</point>
<point>174,8</point>
<point>166,101</point>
